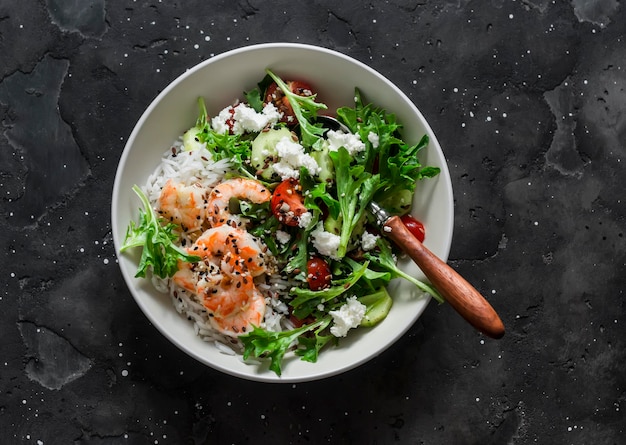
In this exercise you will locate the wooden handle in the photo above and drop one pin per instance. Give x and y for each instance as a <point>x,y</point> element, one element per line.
<point>461,295</point>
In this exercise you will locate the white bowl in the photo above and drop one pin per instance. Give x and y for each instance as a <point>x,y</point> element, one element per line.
<point>220,80</point>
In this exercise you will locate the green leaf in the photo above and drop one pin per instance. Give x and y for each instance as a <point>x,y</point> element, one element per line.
<point>255,96</point>
<point>309,347</point>
<point>233,147</point>
<point>384,258</point>
<point>305,109</point>
<point>307,300</point>
<point>373,279</point>
<point>160,253</point>
<point>355,190</point>
<point>274,345</point>
<point>254,99</point>
<point>398,164</point>
<point>299,255</point>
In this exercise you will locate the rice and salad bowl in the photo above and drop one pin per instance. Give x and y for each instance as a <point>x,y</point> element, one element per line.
<point>156,153</point>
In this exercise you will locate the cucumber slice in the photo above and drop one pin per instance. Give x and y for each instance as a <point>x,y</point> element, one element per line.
<point>327,170</point>
<point>399,203</point>
<point>263,152</point>
<point>190,142</point>
<point>377,306</point>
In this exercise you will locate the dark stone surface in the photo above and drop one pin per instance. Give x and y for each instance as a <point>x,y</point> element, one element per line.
<point>528,101</point>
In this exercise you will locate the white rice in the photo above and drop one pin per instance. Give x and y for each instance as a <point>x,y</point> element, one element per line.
<point>197,167</point>
<point>187,167</point>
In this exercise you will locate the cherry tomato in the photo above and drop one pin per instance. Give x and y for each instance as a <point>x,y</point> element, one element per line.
<point>287,202</point>
<point>318,273</point>
<point>276,96</point>
<point>414,226</point>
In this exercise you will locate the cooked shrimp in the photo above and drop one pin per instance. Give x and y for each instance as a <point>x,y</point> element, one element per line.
<point>183,205</point>
<point>218,204</point>
<point>224,278</point>
<point>233,301</point>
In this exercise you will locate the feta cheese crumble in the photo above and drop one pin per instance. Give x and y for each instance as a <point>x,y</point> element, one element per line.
<point>368,241</point>
<point>241,118</point>
<point>291,157</point>
<point>351,142</point>
<point>325,243</point>
<point>348,316</point>
<point>374,139</point>
<point>282,237</point>
<point>305,219</point>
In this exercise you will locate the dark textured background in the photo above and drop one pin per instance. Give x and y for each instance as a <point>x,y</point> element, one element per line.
<point>528,101</point>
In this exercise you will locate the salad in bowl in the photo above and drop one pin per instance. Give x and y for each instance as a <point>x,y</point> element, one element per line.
<point>254,223</point>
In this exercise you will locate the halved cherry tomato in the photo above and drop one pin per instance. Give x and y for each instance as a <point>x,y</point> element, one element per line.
<point>318,273</point>
<point>276,96</point>
<point>414,226</point>
<point>287,202</point>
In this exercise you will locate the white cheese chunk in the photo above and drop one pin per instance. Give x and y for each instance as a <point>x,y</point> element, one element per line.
<point>241,118</point>
<point>282,237</point>
<point>368,241</point>
<point>351,142</point>
<point>325,243</point>
<point>291,157</point>
<point>374,139</point>
<point>348,316</point>
<point>305,220</point>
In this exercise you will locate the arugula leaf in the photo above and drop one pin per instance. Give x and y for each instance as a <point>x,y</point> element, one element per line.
<point>274,345</point>
<point>234,147</point>
<point>269,226</point>
<point>312,345</point>
<point>305,109</point>
<point>307,300</point>
<point>384,258</point>
<point>299,255</point>
<point>398,164</point>
<point>315,192</point>
<point>159,251</point>
<point>403,169</point>
<point>372,279</point>
<point>355,189</point>
<point>255,97</point>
